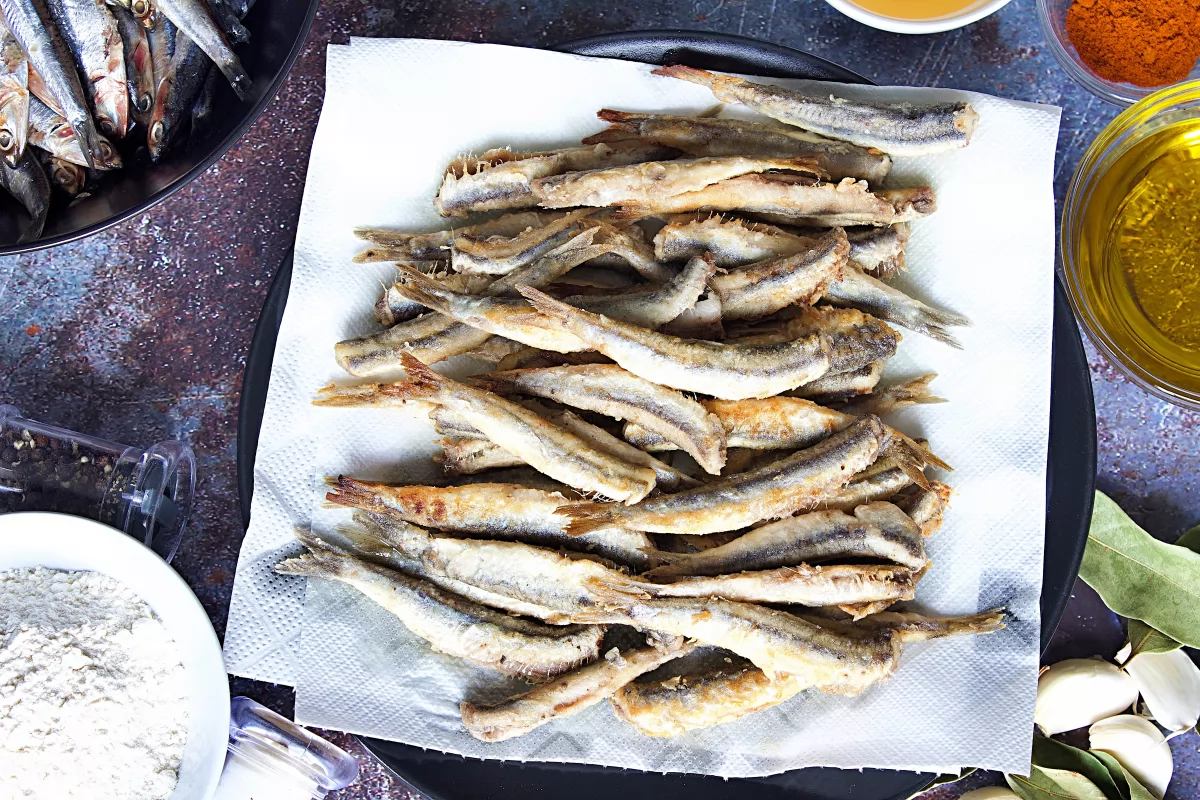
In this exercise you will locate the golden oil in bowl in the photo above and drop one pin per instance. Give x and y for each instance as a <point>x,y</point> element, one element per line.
<point>1131,243</point>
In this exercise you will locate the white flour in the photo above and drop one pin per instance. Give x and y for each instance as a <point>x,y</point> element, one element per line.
<point>92,692</point>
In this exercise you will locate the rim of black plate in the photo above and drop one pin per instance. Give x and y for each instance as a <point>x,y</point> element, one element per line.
<point>223,146</point>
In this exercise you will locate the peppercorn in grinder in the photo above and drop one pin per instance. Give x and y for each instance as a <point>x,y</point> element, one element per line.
<point>145,493</point>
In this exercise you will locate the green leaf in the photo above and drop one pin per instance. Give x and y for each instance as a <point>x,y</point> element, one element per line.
<point>1075,784</point>
<point>1038,786</point>
<point>1054,755</point>
<point>1121,776</point>
<point>1190,540</point>
<point>1144,639</point>
<point>1114,769</point>
<point>942,780</point>
<point>1142,578</point>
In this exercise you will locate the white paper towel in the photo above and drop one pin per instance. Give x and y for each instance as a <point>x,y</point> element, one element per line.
<point>396,111</point>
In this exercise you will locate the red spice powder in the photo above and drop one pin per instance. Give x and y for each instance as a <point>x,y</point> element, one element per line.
<point>1143,42</point>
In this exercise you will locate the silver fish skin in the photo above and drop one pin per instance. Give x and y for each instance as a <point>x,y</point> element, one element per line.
<point>30,22</point>
<point>728,371</point>
<point>760,289</point>
<point>499,255</point>
<point>27,182</point>
<point>435,246</point>
<point>568,694</point>
<point>876,530</point>
<point>51,132</point>
<point>91,33</point>
<point>492,511</point>
<point>14,97</point>
<point>802,584</point>
<point>858,290</point>
<point>192,17</point>
<point>655,306</point>
<point>610,390</point>
<point>837,387</point>
<point>710,136</point>
<point>899,129</point>
<point>139,65</point>
<point>175,95</point>
<point>451,624</point>
<point>801,481</point>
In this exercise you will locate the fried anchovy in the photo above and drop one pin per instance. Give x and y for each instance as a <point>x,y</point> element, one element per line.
<point>798,201</point>
<point>802,584</point>
<point>450,624</point>
<point>434,337</point>
<point>876,530</point>
<point>899,129</point>
<point>708,136</point>
<point>801,481</point>
<point>767,286</point>
<point>501,179</point>
<point>841,386</point>
<point>393,307</point>
<point>490,510</point>
<point>568,694</point>
<point>14,97</point>
<point>855,339</point>
<point>551,450</point>
<point>711,697</point>
<point>473,453</point>
<point>500,255</point>
<point>878,251</point>
<point>926,507</point>
<point>610,390</point>
<point>701,321</point>
<point>858,290</point>
<point>722,370</point>
<point>532,358</point>
<point>869,488</point>
<point>777,423</point>
<point>640,183</point>
<point>654,306</point>
<point>435,246</point>
<point>629,244</point>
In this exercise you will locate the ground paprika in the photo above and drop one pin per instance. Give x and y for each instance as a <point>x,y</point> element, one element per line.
<point>1143,42</point>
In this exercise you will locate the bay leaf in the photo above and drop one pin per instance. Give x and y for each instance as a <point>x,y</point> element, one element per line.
<point>1144,639</point>
<point>1114,769</point>
<point>942,780</point>
<point>1190,540</point>
<point>1078,786</point>
<point>1140,577</point>
<point>1050,754</point>
<point>1038,786</point>
<point>1121,775</point>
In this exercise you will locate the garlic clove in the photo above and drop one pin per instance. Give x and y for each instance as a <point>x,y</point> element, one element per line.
<point>1079,691</point>
<point>991,793</point>
<point>1138,746</point>
<point>1170,686</point>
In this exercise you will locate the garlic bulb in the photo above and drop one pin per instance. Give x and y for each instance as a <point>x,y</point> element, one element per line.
<point>991,793</point>
<point>1170,686</point>
<point>1079,691</point>
<point>1138,746</point>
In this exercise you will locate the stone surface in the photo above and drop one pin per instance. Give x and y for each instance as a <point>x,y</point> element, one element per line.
<point>141,332</point>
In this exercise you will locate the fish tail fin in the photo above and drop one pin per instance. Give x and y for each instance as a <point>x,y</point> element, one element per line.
<point>585,517</point>
<point>916,452</point>
<point>902,395</point>
<point>352,493</point>
<point>632,211</point>
<point>620,128</point>
<point>231,67</point>
<point>911,628</point>
<point>690,74</point>
<point>323,560</point>
<point>907,455</point>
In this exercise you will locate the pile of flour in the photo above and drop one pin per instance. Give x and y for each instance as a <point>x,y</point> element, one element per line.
<point>92,691</point>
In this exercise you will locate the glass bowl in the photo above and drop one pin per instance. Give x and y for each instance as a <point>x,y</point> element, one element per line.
<point>972,12</point>
<point>1053,15</point>
<point>1104,306</point>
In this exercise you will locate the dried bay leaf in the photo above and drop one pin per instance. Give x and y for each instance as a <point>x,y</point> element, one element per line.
<point>1140,577</point>
<point>1132,789</point>
<point>1050,755</point>
<point>1038,786</point>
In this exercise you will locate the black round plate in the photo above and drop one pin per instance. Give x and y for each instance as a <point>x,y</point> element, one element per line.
<point>278,30</point>
<point>1070,483</point>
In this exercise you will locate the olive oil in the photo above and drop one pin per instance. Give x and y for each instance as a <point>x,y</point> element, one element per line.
<point>915,9</point>
<point>1139,252</point>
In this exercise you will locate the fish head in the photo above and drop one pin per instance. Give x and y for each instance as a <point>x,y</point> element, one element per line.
<point>159,129</point>
<point>14,120</point>
<point>106,155</point>
<point>145,12</point>
<point>71,178</point>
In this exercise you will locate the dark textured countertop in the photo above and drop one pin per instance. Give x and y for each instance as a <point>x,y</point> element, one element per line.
<point>141,333</point>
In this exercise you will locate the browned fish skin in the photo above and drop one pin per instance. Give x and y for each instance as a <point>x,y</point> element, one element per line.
<point>566,695</point>
<point>804,480</point>
<point>840,386</point>
<point>689,702</point>
<point>767,286</point>
<point>709,136</point>
<point>802,584</point>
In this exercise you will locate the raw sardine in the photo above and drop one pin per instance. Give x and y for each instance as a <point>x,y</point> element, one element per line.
<point>91,33</point>
<point>27,182</point>
<point>14,97</point>
<point>139,67</point>
<point>193,19</point>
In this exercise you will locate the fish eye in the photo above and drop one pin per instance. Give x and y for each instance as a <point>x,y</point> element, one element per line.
<point>7,140</point>
<point>156,132</point>
<point>144,103</point>
<point>108,127</point>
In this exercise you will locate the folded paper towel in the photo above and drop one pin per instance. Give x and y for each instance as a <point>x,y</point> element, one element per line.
<point>396,112</point>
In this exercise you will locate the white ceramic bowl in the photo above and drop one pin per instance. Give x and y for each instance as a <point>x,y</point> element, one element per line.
<point>972,13</point>
<point>59,541</point>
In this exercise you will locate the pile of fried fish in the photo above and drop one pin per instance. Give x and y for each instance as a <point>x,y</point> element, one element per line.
<point>704,513</point>
<point>77,76</point>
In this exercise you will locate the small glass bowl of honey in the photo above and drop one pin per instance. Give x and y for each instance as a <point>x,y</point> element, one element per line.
<point>1130,243</point>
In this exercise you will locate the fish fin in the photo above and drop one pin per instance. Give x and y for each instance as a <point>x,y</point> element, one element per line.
<point>690,74</point>
<point>902,395</point>
<point>633,211</point>
<point>352,493</point>
<point>545,304</point>
<point>584,517</point>
<point>323,560</point>
<point>914,452</point>
<point>377,394</point>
